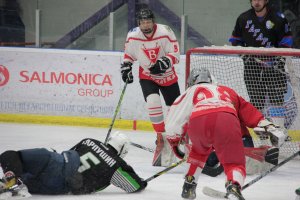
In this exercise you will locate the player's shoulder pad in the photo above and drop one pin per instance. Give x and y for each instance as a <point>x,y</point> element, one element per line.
<point>280,14</point>
<point>164,28</point>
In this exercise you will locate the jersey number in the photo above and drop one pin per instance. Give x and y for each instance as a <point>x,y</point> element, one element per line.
<point>213,92</point>
<point>84,161</point>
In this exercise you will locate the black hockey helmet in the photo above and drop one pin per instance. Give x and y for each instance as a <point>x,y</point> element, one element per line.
<point>144,13</point>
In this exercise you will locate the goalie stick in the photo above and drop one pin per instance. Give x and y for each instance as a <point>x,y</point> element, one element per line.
<point>261,154</point>
<point>116,112</point>
<point>222,195</point>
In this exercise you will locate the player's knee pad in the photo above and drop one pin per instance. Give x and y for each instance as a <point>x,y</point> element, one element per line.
<point>153,100</point>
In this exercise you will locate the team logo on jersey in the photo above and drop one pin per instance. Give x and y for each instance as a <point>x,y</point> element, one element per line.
<point>4,75</point>
<point>269,24</point>
<point>248,23</point>
<point>152,53</point>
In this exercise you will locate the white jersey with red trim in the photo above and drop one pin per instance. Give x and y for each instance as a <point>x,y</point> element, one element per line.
<point>146,51</point>
<point>206,98</point>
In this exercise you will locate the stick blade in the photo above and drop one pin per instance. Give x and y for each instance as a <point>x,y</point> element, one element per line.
<point>213,193</point>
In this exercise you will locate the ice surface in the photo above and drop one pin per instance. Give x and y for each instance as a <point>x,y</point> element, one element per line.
<point>279,185</point>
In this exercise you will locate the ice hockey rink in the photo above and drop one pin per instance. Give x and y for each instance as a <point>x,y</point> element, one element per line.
<point>278,185</point>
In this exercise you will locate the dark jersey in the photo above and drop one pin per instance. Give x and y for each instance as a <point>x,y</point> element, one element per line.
<point>271,31</point>
<point>101,166</point>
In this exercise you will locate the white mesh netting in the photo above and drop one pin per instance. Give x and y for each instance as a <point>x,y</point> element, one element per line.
<point>268,78</point>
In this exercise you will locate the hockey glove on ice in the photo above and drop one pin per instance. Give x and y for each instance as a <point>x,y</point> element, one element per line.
<point>126,71</point>
<point>160,66</point>
<point>174,141</point>
<point>277,134</point>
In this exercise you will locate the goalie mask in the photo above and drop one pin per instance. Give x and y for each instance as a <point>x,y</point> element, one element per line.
<point>120,143</point>
<point>199,75</point>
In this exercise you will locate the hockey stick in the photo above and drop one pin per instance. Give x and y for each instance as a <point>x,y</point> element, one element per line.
<point>165,170</point>
<point>257,153</point>
<point>116,112</point>
<point>210,171</point>
<point>260,154</point>
<point>142,147</point>
<point>218,194</point>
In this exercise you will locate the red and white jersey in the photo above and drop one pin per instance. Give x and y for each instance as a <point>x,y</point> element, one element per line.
<point>146,51</point>
<point>205,98</point>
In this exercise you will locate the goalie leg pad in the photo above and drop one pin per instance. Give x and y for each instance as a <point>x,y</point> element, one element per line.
<point>158,150</point>
<point>163,155</point>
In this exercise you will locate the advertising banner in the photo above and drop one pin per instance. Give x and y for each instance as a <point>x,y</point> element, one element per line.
<point>68,83</point>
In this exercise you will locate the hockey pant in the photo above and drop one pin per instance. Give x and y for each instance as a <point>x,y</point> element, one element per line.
<point>222,132</point>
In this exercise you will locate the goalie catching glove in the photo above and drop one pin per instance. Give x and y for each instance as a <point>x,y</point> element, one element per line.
<point>175,141</point>
<point>160,66</point>
<point>277,134</point>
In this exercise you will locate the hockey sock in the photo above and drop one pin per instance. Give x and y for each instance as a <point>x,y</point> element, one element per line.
<point>156,112</point>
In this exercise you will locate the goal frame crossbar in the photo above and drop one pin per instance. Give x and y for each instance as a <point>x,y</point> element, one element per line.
<point>237,50</point>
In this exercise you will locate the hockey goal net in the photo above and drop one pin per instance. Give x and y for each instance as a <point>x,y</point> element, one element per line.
<point>268,78</point>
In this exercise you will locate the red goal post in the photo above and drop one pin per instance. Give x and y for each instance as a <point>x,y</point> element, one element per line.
<point>231,66</point>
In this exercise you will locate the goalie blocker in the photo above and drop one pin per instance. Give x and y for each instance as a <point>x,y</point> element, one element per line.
<point>277,135</point>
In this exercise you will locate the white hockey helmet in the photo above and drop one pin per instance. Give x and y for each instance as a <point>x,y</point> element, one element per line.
<point>120,142</point>
<point>199,75</point>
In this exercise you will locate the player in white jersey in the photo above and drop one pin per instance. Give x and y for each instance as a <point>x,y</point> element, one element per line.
<point>212,115</point>
<point>156,49</point>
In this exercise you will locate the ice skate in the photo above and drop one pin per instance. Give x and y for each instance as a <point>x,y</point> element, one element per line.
<point>189,188</point>
<point>233,191</point>
<point>11,186</point>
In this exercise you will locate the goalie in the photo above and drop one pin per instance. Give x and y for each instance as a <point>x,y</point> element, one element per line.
<point>90,166</point>
<point>214,114</point>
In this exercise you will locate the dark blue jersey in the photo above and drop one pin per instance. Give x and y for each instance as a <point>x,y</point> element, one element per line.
<point>272,30</point>
<point>101,166</point>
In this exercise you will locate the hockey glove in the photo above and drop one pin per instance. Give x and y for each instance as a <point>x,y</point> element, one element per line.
<point>126,71</point>
<point>160,66</point>
<point>277,136</point>
<point>143,184</point>
<point>266,128</point>
<point>175,141</point>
